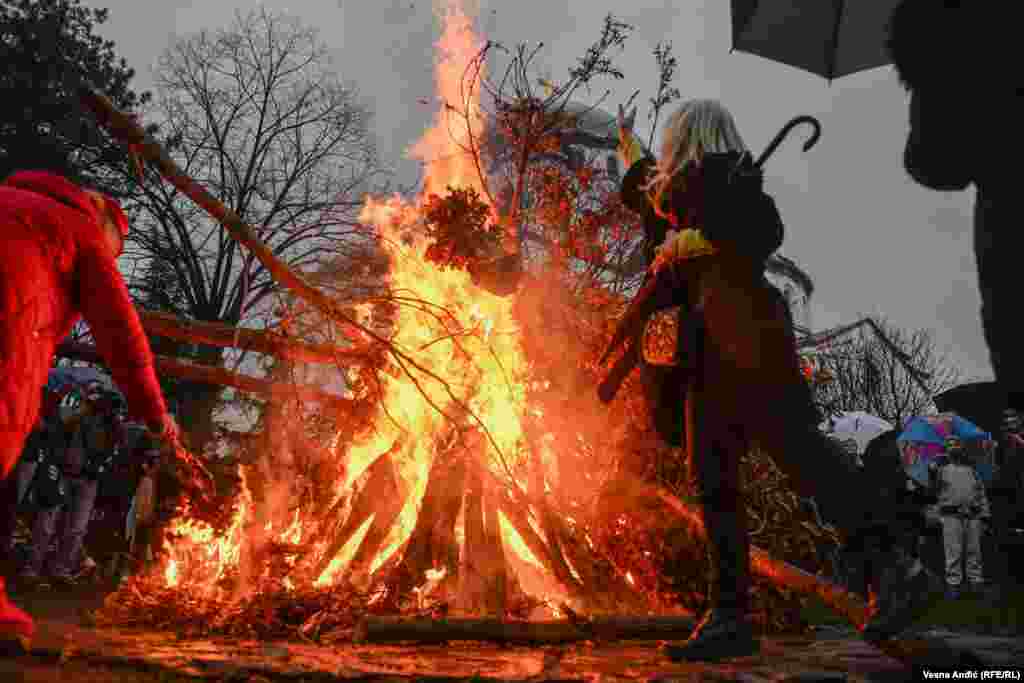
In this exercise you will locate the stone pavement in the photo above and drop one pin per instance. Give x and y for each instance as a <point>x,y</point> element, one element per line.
<point>834,654</point>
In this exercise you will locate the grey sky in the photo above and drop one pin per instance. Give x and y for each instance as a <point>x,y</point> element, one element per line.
<point>873,241</point>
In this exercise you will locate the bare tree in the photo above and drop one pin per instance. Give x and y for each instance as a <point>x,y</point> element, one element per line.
<point>883,370</point>
<point>257,114</point>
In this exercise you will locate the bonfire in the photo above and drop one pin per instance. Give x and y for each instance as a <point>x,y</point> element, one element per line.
<point>483,477</point>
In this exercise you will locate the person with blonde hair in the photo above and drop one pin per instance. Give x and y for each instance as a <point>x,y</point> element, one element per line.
<point>710,229</point>
<point>702,150</point>
<point>669,193</point>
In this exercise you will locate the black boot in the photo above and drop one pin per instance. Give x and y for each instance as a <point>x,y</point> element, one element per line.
<point>906,591</point>
<point>723,633</point>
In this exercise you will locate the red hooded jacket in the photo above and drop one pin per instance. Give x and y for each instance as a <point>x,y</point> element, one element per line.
<point>55,268</point>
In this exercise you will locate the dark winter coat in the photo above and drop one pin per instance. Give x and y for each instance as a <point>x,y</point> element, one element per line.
<point>734,214</point>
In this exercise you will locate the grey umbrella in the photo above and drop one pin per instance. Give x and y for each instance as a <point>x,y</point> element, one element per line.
<point>831,38</point>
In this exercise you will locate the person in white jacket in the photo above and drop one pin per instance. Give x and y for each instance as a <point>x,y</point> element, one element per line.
<point>964,510</point>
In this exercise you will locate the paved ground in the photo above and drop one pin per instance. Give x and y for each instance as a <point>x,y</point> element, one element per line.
<point>86,655</point>
<point>67,650</point>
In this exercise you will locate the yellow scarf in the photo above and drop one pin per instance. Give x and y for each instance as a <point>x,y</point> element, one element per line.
<point>680,246</point>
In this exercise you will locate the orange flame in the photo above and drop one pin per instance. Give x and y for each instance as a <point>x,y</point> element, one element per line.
<point>477,351</point>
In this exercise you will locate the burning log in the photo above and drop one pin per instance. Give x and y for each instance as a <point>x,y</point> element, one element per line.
<point>483,575</point>
<point>598,575</point>
<point>388,509</point>
<point>215,375</point>
<point>504,580</point>
<point>432,545</point>
<point>381,498</point>
<point>600,585</point>
<point>263,341</point>
<point>517,515</point>
<point>392,629</point>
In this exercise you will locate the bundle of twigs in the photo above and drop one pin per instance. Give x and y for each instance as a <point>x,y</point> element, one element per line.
<point>273,612</point>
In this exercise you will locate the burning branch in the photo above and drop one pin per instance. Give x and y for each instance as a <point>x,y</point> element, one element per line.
<point>525,127</point>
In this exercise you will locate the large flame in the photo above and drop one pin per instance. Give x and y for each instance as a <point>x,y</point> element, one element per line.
<point>482,362</point>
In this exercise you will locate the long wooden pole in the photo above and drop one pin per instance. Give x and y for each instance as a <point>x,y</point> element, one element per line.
<point>215,375</point>
<point>779,572</point>
<point>263,341</point>
<point>126,129</point>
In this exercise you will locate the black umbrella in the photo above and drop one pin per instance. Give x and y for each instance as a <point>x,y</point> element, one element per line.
<point>982,403</point>
<point>831,38</point>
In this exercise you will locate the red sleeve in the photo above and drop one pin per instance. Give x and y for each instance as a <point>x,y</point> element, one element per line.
<point>107,307</point>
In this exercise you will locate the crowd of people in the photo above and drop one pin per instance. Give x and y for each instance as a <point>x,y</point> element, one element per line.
<point>77,479</point>
<point>961,507</point>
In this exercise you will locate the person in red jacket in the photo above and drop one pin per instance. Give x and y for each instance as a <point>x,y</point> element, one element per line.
<point>59,245</point>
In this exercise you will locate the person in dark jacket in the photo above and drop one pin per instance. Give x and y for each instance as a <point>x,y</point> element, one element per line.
<point>745,385</point>
<point>59,245</point>
<point>680,202</point>
<point>15,487</point>
<point>965,88</point>
<point>86,454</point>
<point>903,522</point>
<point>1010,453</point>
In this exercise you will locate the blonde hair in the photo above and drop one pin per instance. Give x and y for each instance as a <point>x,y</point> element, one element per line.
<point>696,128</point>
